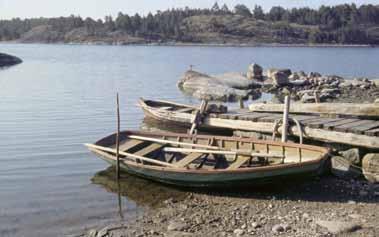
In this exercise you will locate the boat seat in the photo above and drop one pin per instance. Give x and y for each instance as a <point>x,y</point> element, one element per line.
<point>130,144</point>
<point>239,162</point>
<point>149,149</point>
<point>185,110</point>
<point>165,107</point>
<point>188,160</point>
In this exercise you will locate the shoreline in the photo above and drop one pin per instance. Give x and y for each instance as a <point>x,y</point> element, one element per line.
<point>184,44</point>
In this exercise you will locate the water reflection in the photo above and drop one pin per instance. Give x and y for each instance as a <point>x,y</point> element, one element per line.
<point>143,192</point>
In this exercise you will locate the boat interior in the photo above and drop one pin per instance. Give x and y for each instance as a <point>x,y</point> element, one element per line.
<point>209,152</point>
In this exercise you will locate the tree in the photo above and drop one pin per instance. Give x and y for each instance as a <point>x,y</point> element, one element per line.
<point>215,7</point>
<point>225,8</point>
<point>242,10</point>
<point>258,12</point>
<point>276,13</point>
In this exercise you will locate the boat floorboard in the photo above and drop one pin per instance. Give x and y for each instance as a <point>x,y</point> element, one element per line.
<point>188,159</point>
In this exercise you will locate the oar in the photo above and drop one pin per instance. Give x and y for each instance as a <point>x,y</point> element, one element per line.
<point>173,142</point>
<point>220,152</point>
<point>135,157</point>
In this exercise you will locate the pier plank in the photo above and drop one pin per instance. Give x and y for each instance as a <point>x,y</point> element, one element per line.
<point>372,132</point>
<point>370,124</point>
<point>319,123</point>
<point>332,125</point>
<point>348,126</point>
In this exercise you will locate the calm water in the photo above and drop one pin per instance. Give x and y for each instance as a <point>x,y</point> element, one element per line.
<point>64,96</point>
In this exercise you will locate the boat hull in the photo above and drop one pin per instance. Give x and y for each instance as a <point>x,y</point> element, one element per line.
<point>219,179</point>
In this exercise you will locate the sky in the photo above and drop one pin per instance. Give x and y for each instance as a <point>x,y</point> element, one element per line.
<point>100,8</point>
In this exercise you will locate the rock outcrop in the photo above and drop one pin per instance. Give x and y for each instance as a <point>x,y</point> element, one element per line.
<point>225,87</point>
<point>8,60</point>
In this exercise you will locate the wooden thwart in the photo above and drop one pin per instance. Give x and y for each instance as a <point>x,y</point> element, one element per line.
<point>188,160</point>
<point>130,144</point>
<point>221,152</point>
<point>172,142</point>
<point>129,155</point>
<point>149,149</point>
<point>239,162</point>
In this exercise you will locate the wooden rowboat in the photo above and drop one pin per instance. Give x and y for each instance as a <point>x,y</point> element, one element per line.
<point>209,161</point>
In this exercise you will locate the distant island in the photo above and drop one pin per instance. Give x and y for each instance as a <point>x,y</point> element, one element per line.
<point>328,25</point>
<point>7,60</point>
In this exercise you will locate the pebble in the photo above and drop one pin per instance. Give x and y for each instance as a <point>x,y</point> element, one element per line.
<point>176,225</point>
<point>338,227</point>
<point>277,228</point>
<point>238,232</point>
<point>255,225</point>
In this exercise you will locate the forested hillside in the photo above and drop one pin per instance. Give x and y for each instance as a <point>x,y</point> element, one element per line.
<point>342,24</point>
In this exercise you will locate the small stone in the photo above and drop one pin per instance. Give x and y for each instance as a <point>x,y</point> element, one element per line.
<point>338,227</point>
<point>238,232</point>
<point>103,232</point>
<point>176,226</point>
<point>243,226</point>
<point>277,228</point>
<point>255,225</point>
<point>351,202</point>
<point>92,233</point>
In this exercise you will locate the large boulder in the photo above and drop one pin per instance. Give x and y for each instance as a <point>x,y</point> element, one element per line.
<point>255,71</point>
<point>7,60</point>
<point>280,79</point>
<point>229,86</point>
<point>272,71</point>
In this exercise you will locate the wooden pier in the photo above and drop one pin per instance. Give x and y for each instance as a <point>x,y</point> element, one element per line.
<point>345,130</point>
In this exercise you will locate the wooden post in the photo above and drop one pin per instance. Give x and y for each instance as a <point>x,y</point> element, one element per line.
<point>317,96</point>
<point>118,140</point>
<point>242,105</point>
<point>285,118</point>
<point>198,115</point>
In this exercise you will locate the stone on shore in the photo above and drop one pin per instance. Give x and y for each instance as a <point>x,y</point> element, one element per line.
<point>342,168</point>
<point>7,60</point>
<point>279,79</point>
<point>255,72</point>
<point>370,167</point>
<point>338,227</point>
<point>352,155</point>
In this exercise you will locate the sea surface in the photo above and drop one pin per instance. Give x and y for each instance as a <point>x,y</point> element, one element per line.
<point>62,96</point>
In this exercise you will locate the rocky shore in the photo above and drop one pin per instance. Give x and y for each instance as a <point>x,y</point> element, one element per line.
<point>301,86</point>
<point>324,206</point>
<point>7,60</point>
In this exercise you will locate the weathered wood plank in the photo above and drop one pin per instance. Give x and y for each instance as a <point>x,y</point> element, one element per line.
<point>332,125</point>
<point>184,110</point>
<point>322,108</point>
<point>149,149</point>
<point>370,124</point>
<point>253,116</point>
<point>319,123</point>
<point>348,126</point>
<point>188,160</point>
<point>372,132</point>
<point>239,162</point>
<point>130,144</point>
